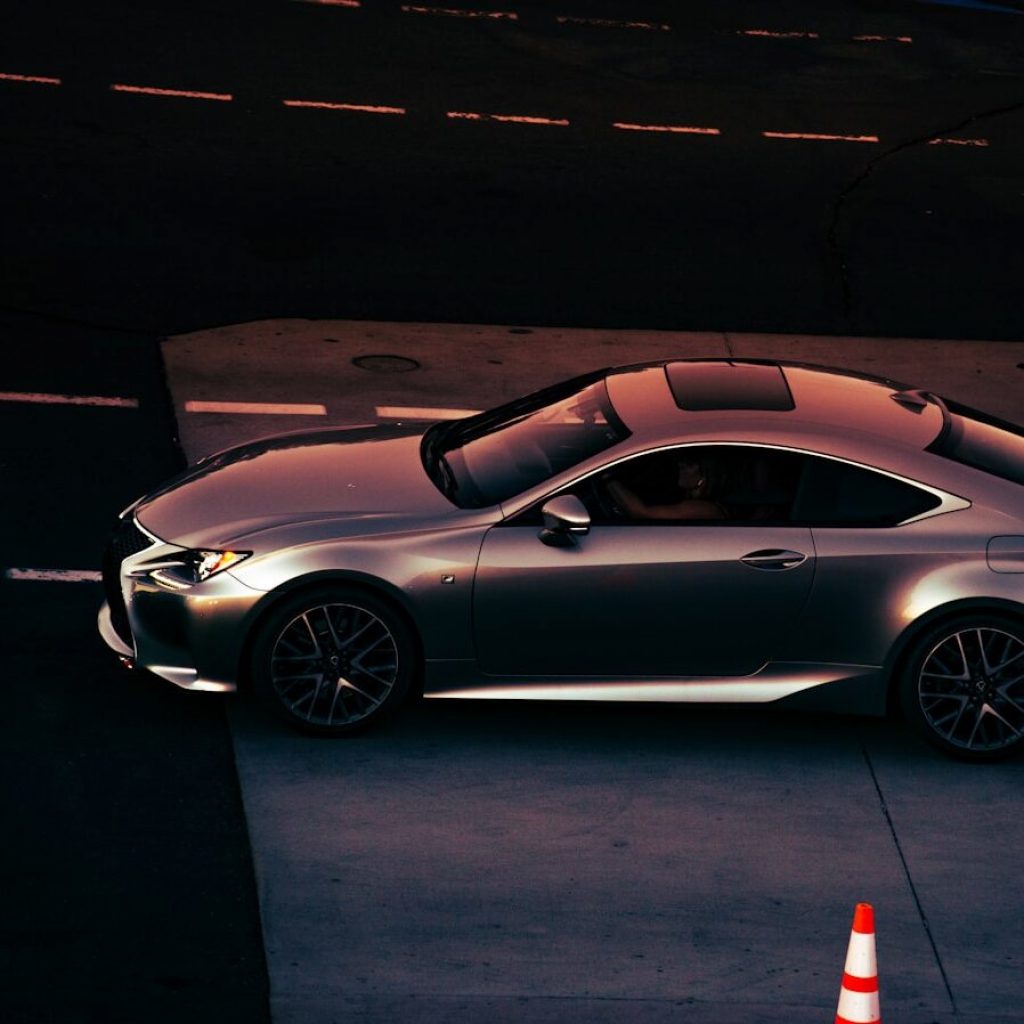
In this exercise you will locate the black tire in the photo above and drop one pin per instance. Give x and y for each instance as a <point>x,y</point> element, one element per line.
<point>962,688</point>
<point>334,661</point>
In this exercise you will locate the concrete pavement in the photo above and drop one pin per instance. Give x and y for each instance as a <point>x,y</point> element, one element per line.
<point>537,863</point>
<point>476,366</point>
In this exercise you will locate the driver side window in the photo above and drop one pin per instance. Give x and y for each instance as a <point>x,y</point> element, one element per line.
<point>699,483</point>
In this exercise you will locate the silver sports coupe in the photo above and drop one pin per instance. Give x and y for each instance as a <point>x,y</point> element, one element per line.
<point>691,530</point>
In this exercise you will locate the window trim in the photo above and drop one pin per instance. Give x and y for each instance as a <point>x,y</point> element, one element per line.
<point>948,502</point>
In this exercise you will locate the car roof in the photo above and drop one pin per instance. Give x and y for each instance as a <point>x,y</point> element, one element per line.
<point>780,402</point>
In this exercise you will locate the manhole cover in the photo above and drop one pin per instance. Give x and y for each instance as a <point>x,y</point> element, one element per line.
<point>386,364</point>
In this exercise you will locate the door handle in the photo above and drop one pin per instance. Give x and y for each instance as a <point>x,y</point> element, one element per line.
<point>774,558</point>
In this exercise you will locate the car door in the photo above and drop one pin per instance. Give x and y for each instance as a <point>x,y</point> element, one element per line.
<point>639,598</point>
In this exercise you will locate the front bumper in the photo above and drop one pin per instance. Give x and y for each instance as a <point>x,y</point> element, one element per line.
<point>193,638</point>
<point>110,636</point>
<point>185,676</point>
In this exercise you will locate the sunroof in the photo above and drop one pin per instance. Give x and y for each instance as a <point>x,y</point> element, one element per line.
<point>699,387</point>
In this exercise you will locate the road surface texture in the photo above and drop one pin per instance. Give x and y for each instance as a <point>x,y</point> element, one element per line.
<point>128,891</point>
<point>833,167</point>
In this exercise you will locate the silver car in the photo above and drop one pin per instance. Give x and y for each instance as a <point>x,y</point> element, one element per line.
<point>690,530</point>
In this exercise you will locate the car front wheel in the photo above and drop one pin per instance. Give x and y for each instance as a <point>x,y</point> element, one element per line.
<point>334,661</point>
<point>963,687</point>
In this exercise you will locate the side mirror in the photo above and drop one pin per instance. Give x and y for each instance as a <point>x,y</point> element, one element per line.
<point>564,517</point>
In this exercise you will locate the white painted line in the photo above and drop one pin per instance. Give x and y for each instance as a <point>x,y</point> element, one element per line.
<point>461,115</point>
<point>677,129</point>
<point>413,412</point>
<point>568,19</point>
<point>258,408</point>
<point>362,108</point>
<point>38,398</point>
<point>814,137</point>
<point>53,575</point>
<point>188,94</point>
<point>32,79</point>
<point>958,142</point>
<point>883,39</point>
<point>458,12</point>
<point>765,33</point>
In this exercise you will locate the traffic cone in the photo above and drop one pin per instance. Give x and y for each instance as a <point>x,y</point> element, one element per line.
<point>858,996</point>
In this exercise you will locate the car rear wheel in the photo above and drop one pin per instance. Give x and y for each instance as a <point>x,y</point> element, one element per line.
<point>963,688</point>
<point>334,661</point>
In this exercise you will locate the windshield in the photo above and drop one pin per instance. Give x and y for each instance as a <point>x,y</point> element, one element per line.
<point>489,458</point>
<point>984,442</point>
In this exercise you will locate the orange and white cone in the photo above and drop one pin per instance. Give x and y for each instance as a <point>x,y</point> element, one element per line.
<point>858,997</point>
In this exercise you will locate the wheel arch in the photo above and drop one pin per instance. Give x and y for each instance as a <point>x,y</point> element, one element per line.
<point>371,585</point>
<point>901,650</point>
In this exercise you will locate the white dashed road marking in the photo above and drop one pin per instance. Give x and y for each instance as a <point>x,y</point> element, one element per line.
<point>650,26</point>
<point>413,412</point>
<point>462,115</point>
<point>458,12</point>
<point>765,33</point>
<point>818,137</point>
<point>259,408</point>
<point>187,94</point>
<point>677,129</point>
<point>30,79</point>
<point>883,39</point>
<point>362,108</point>
<point>958,142</point>
<point>38,398</point>
<point>53,575</point>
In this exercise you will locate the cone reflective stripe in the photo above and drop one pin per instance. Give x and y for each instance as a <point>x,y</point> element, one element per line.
<point>858,996</point>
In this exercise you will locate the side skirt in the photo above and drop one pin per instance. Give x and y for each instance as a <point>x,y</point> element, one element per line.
<point>855,689</point>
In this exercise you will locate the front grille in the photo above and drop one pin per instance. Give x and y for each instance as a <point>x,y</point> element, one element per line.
<point>127,539</point>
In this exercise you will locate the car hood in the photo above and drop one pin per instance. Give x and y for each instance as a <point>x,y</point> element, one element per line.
<point>321,474</point>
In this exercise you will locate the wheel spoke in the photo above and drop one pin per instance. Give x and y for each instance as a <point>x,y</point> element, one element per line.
<point>977,724</point>
<point>349,685</point>
<point>956,714</point>
<point>963,654</point>
<point>1009,661</point>
<point>305,692</point>
<point>1006,684</point>
<point>373,675</point>
<point>344,645</point>
<point>334,701</point>
<point>942,695</point>
<point>312,633</point>
<point>330,627</point>
<point>988,709</point>
<point>313,700</point>
<point>287,642</point>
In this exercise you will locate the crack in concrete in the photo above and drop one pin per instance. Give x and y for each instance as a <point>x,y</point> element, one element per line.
<point>832,234</point>
<point>910,881</point>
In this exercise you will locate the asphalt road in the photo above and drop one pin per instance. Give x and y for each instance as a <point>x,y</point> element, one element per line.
<point>128,891</point>
<point>831,168</point>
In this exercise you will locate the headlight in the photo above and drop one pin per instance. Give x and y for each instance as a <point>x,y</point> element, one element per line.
<point>190,567</point>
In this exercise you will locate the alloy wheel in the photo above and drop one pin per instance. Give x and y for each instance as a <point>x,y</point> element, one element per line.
<point>970,690</point>
<point>333,665</point>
